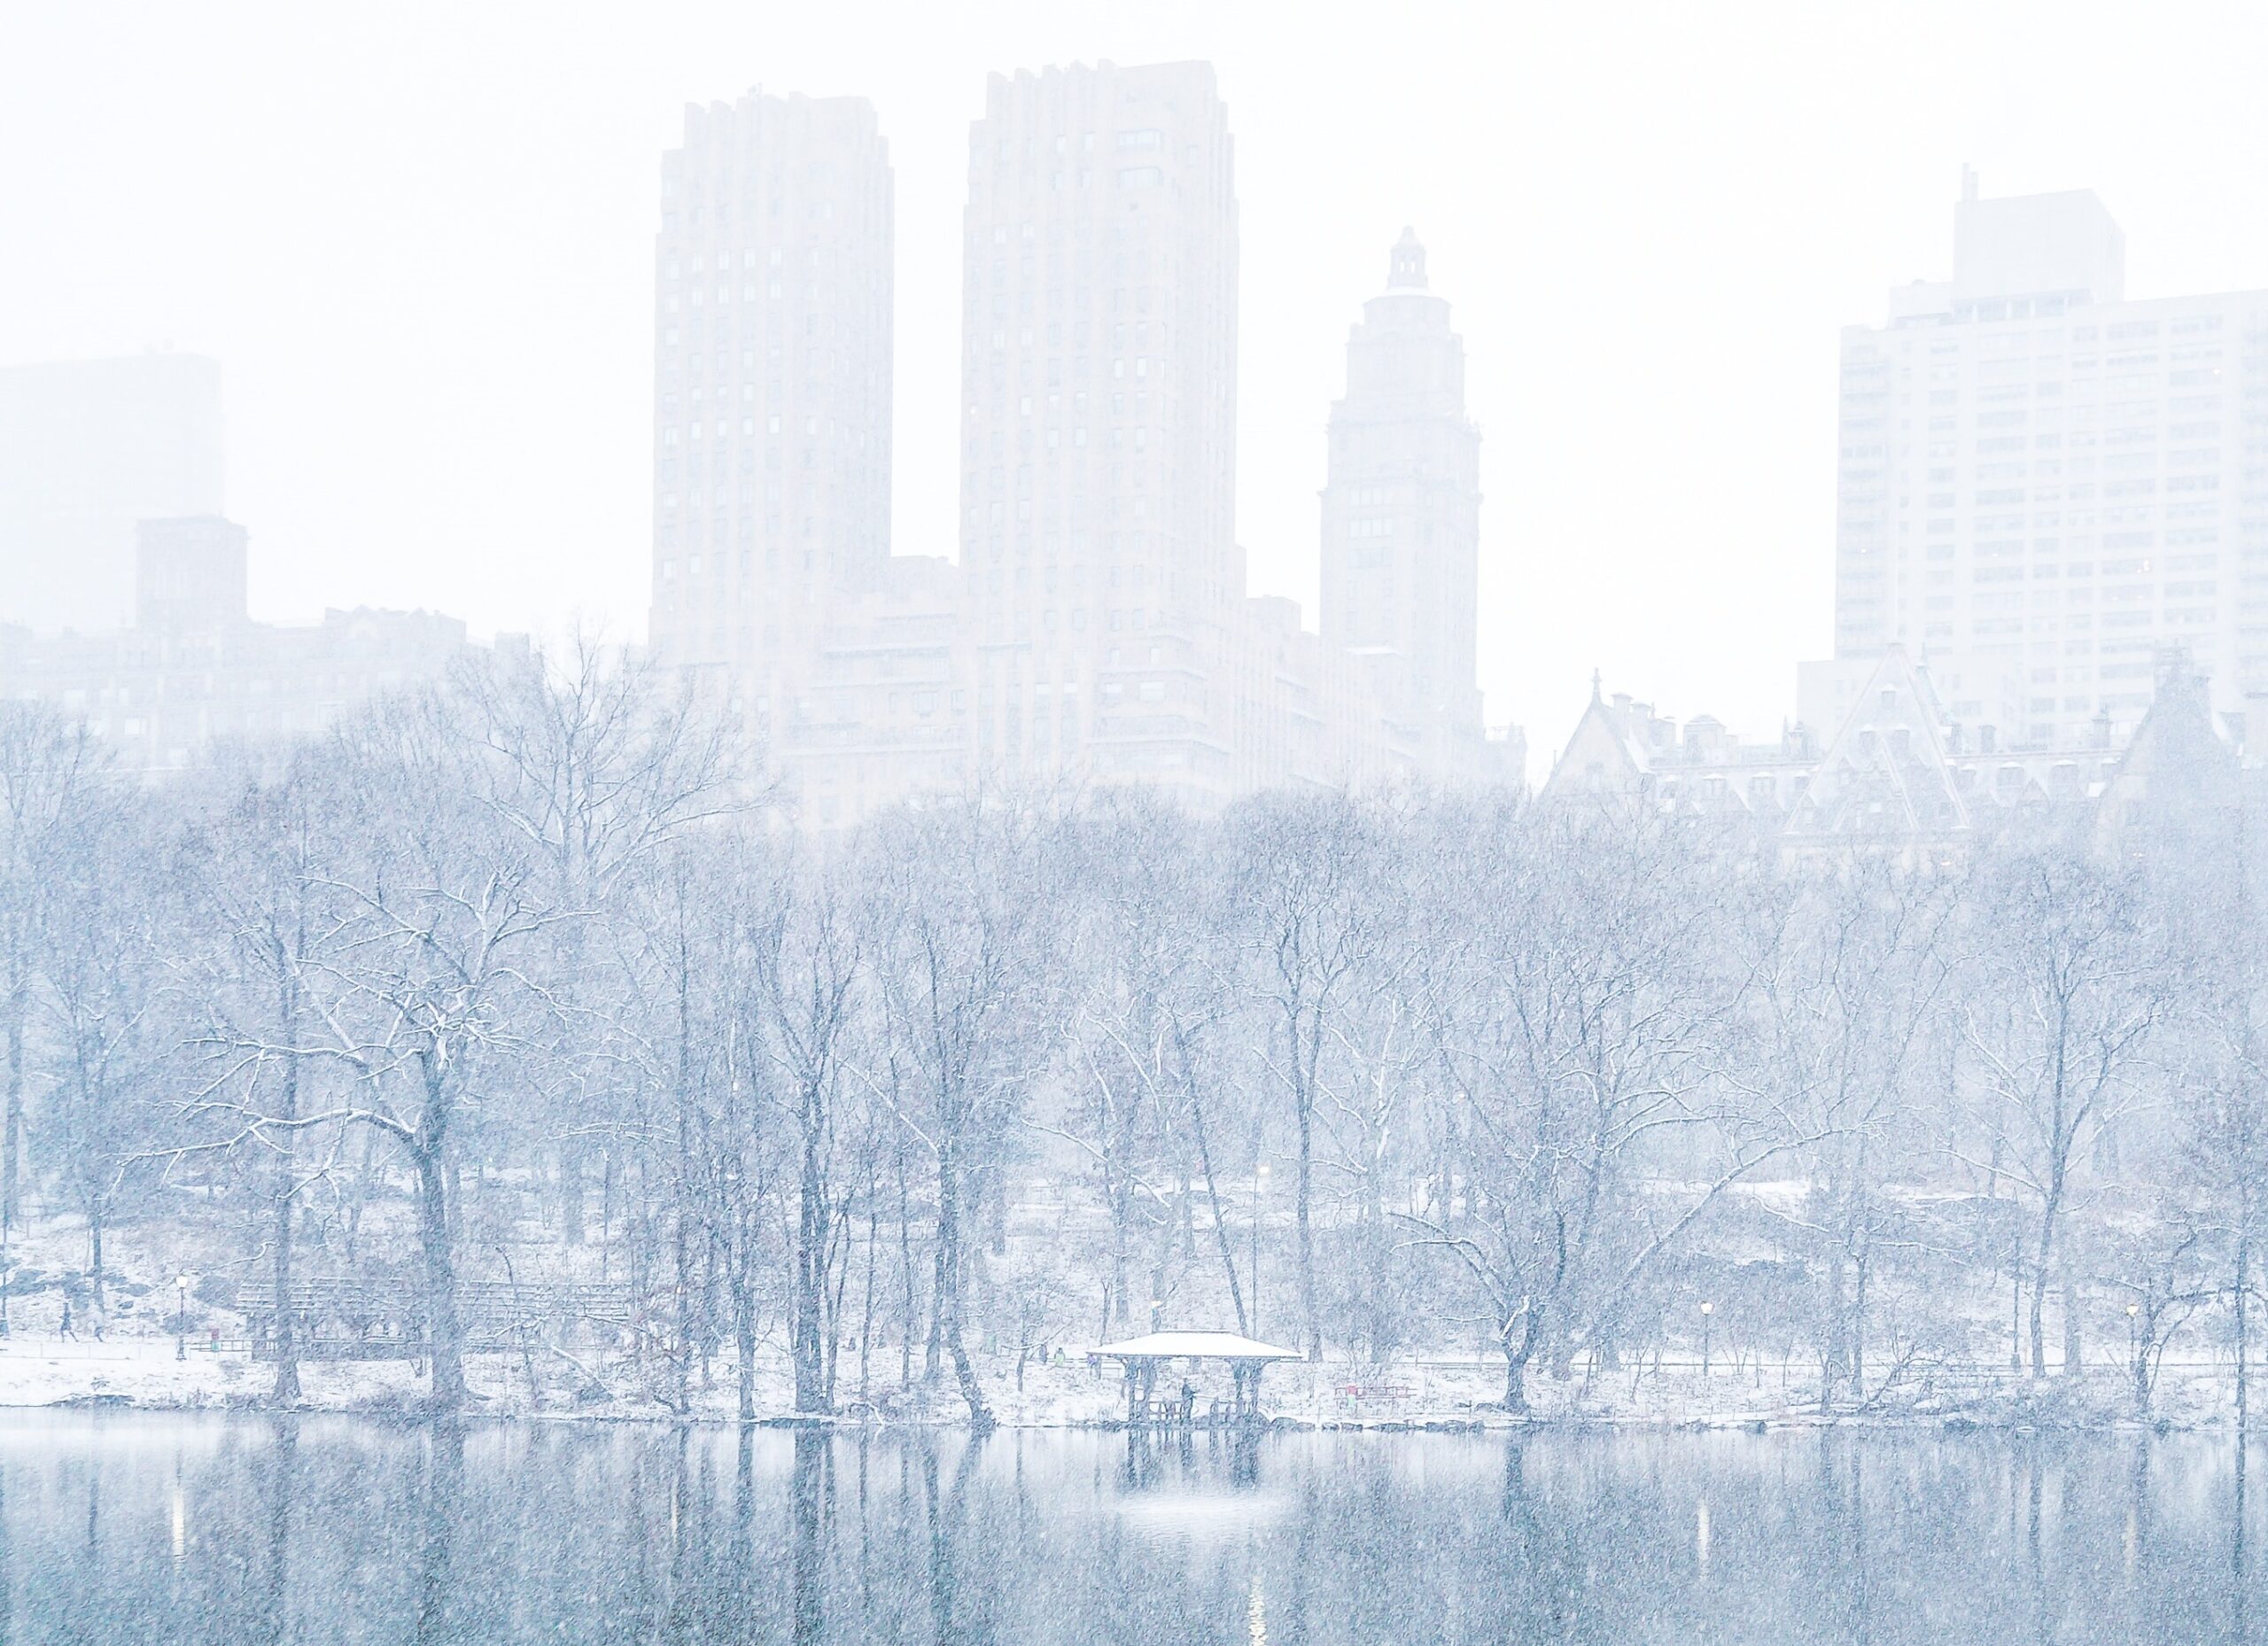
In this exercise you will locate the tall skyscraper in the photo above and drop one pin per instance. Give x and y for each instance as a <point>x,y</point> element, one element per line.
<point>1402,512</point>
<point>1099,420</point>
<point>2045,487</point>
<point>88,450</point>
<point>771,392</point>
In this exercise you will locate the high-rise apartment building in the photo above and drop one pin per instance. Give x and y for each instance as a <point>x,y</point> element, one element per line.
<point>88,450</point>
<point>1402,514</point>
<point>771,391</point>
<point>2045,487</point>
<point>1098,422</point>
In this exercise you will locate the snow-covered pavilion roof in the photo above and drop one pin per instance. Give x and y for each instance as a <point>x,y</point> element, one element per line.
<point>1195,1346</point>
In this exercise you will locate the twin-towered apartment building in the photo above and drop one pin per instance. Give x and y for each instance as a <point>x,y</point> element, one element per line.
<point>1093,625</point>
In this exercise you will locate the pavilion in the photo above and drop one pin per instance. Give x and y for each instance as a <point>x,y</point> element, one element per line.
<point>1142,1356</point>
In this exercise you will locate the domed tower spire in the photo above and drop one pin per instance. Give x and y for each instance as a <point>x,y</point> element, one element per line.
<point>1407,268</point>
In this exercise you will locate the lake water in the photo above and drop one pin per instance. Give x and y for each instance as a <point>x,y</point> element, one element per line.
<point>147,1528</point>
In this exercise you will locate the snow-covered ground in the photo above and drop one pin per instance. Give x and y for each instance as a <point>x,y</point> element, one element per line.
<point>135,1362</point>
<point>142,1370</point>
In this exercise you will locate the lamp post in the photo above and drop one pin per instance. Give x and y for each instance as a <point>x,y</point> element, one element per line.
<point>181,1316</point>
<point>1259,1188</point>
<point>1707,1310</point>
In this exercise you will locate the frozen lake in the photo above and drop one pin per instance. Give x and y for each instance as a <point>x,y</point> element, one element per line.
<point>136,1528</point>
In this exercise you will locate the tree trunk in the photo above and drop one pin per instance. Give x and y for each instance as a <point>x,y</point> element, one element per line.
<point>744,1329</point>
<point>2036,1326</point>
<point>1516,1359</point>
<point>570,1194</point>
<point>286,1391</point>
<point>2243,1376</point>
<point>12,1149</point>
<point>1211,1189</point>
<point>810,1326</point>
<point>1860,1265</point>
<point>947,1317</point>
<point>1305,1114</point>
<point>2072,1357</point>
<point>444,1332</point>
<point>1835,1352</point>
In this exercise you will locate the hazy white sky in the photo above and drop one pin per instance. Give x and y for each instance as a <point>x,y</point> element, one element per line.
<point>418,238</point>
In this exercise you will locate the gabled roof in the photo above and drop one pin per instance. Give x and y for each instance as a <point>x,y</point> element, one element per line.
<point>1887,769</point>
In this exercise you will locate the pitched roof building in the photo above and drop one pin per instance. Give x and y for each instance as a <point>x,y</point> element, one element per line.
<point>1900,770</point>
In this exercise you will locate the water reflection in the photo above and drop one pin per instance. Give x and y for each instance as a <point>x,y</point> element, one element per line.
<point>145,1528</point>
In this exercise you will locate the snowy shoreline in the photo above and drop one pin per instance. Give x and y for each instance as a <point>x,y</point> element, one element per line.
<point>150,1374</point>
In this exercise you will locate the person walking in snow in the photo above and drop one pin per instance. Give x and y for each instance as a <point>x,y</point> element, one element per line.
<point>66,1331</point>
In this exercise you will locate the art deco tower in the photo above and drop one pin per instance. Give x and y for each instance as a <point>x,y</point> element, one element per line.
<point>1401,510</point>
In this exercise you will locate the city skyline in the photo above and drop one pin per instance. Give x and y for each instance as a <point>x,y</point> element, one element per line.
<point>522,284</point>
<point>1097,625</point>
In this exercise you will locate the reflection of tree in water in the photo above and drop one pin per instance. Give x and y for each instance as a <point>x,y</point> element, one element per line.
<point>960,1611</point>
<point>282,1493</point>
<point>805,1491</point>
<point>443,1491</point>
<point>315,1528</point>
<point>2239,1624</point>
<point>1539,1584</point>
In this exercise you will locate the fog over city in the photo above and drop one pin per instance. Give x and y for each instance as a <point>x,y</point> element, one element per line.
<point>420,246</point>
<point>1149,823</point>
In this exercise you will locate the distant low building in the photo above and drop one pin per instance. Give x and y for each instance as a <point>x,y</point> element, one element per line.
<point>1900,770</point>
<point>194,669</point>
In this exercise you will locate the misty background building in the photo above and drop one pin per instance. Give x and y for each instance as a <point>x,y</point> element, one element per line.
<point>88,449</point>
<point>2047,490</point>
<point>1096,626</point>
<point>1402,516</point>
<point>772,393</point>
<point>125,594</point>
<point>193,669</point>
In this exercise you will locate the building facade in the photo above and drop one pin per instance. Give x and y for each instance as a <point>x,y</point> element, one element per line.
<point>2045,485</point>
<point>1098,435</point>
<point>771,380</point>
<point>88,449</point>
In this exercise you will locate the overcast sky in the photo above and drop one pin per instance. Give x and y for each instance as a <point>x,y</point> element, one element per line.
<point>418,238</point>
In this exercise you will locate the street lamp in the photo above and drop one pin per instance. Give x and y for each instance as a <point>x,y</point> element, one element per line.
<point>1707,1309</point>
<point>181,1316</point>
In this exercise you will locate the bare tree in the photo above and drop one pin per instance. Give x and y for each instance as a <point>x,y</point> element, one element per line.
<point>2063,994</point>
<point>1299,881</point>
<point>955,916</point>
<point>52,772</point>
